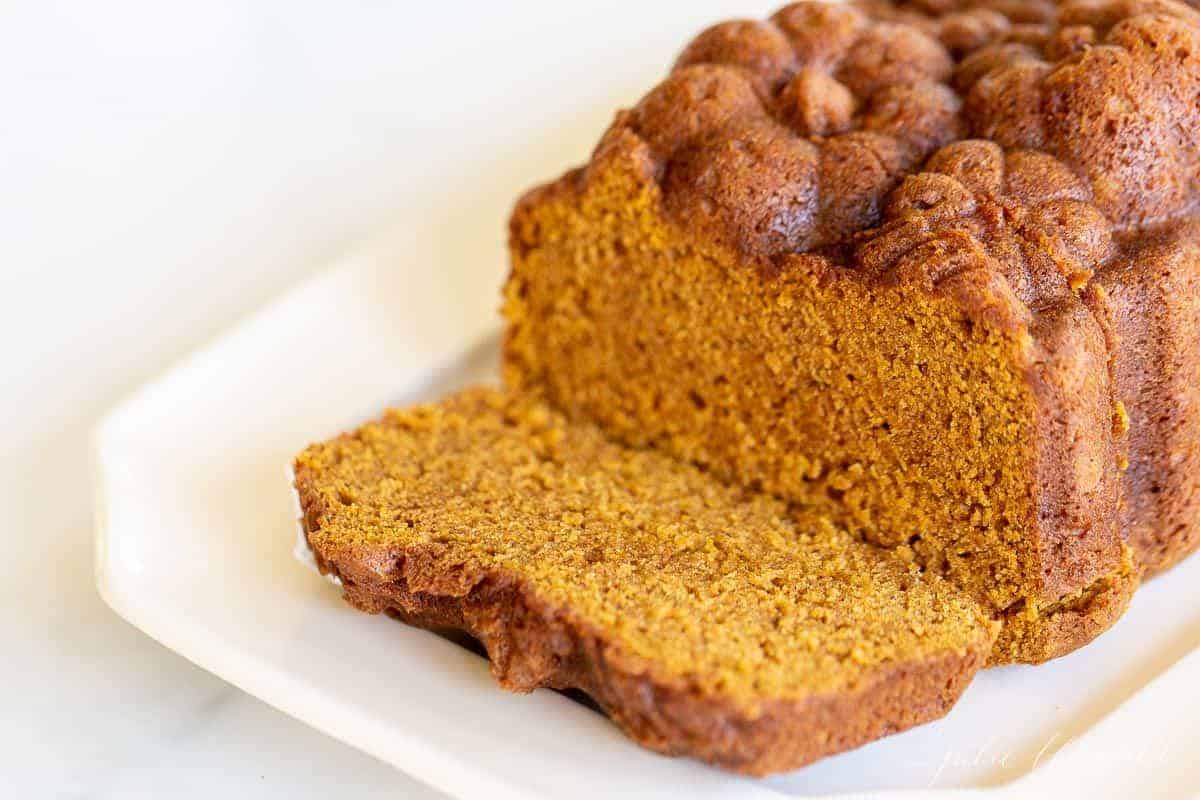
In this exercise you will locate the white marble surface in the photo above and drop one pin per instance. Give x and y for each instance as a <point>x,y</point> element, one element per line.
<point>165,169</point>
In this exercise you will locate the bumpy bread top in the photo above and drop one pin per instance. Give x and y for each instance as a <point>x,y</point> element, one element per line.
<point>1021,213</point>
<point>1030,131</point>
<point>1112,91</point>
<point>786,135</point>
<point>966,25</point>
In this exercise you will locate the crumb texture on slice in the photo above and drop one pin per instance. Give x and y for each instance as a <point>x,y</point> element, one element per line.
<point>707,620</point>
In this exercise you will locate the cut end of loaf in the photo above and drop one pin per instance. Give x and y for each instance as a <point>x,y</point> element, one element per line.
<point>729,279</point>
<point>911,392</point>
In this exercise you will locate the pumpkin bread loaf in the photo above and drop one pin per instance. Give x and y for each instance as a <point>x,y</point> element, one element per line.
<point>706,620</point>
<point>927,269</point>
<point>861,354</point>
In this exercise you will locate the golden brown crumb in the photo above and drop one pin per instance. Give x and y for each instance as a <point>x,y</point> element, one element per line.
<point>747,613</point>
<point>706,581</point>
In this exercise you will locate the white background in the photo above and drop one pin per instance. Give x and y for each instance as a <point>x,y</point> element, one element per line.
<point>165,169</point>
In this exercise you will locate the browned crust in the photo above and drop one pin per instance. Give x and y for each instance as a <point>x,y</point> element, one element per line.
<point>788,134</point>
<point>963,26</point>
<point>1153,295</point>
<point>532,644</point>
<point>1078,476</point>
<point>1070,622</point>
<point>1087,575</point>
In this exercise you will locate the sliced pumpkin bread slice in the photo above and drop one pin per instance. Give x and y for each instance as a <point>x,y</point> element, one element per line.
<point>706,620</point>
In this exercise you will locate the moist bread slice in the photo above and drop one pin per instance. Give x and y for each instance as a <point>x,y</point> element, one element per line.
<point>925,266</point>
<point>706,620</point>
